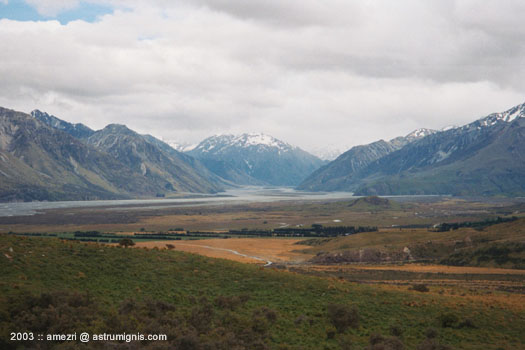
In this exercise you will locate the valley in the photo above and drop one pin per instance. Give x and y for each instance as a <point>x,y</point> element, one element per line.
<point>208,247</point>
<point>262,175</point>
<point>229,274</point>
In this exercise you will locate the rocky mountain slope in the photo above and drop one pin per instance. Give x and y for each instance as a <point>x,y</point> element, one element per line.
<point>40,162</point>
<point>255,159</point>
<point>485,157</point>
<point>155,160</point>
<point>343,172</point>
<point>76,130</point>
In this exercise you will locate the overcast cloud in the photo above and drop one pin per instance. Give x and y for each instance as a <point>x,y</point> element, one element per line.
<point>312,73</point>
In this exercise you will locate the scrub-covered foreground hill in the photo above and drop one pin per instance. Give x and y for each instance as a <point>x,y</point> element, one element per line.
<point>51,286</point>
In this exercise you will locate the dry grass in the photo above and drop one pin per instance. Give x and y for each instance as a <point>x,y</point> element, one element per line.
<point>269,249</point>
<point>392,239</point>
<point>254,215</point>
<point>422,268</point>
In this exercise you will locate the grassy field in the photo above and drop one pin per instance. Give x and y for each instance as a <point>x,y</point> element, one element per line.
<point>306,300</point>
<point>277,309</point>
<point>424,212</point>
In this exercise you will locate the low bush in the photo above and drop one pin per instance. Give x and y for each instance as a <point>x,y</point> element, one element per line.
<point>420,288</point>
<point>343,317</point>
<point>448,320</point>
<point>379,342</point>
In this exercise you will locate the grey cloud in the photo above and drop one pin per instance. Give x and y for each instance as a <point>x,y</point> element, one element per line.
<point>341,72</point>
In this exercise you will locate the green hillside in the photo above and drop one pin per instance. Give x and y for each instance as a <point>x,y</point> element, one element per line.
<point>204,303</point>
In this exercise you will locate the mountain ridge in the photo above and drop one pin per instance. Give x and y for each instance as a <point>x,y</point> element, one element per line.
<point>255,159</point>
<point>46,162</point>
<point>339,173</point>
<point>466,160</point>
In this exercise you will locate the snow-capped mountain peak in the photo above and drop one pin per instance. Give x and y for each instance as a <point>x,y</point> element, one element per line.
<point>255,158</point>
<point>420,133</point>
<point>218,143</point>
<point>259,139</point>
<point>449,127</point>
<point>507,116</point>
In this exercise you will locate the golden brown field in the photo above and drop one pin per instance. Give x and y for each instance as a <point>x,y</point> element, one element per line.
<point>270,249</point>
<point>422,268</point>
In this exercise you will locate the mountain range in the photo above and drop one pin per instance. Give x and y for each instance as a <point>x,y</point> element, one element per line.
<point>255,159</point>
<point>485,157</point>
<point>45,158</point>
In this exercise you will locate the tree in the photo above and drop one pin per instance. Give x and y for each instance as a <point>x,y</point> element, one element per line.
<point>126,242</point>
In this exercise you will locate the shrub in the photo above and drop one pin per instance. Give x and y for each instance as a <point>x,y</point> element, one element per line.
<point>330,333</point>
<point>396,330</point>
<point>431,333</point>
<point>126,242</point>
<point>432,344</point>
<point>378,342</point>
<point>345,343</point>
<point>300,319</point>
<point>343,316</point>
<point>199,327</point>
<point>467,323</point>
<point>448,320</point>
<point>420,288</point>
<point>231,303</point>
<point>270,314</point>
<point>201,316</point>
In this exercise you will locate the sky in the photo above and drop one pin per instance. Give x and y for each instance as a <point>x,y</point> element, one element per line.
<point>320,75</point>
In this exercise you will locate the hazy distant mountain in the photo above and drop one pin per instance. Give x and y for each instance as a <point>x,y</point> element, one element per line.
<point>255,159</point>
<point>327,152</point>
<point>180,146</point>
<point>155,160</point>
<point>77,130</point>
<point>343,172</point>
<point>486,157</point>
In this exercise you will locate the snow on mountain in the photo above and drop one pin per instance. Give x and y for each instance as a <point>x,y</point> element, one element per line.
<point>255,158</point>
<point>221,143</point>
<point>448,127</point>
<point>257,139</point>
<point>507,116</point>
<point>483,157</point>
<point>420,133</point>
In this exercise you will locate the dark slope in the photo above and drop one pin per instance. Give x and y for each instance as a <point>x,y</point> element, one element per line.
<point>78,130</point>
<point>473,160</point>
<point>42,163</point>
<point>342,174</point>
<point>157,162</point>
<point>481,158</point>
